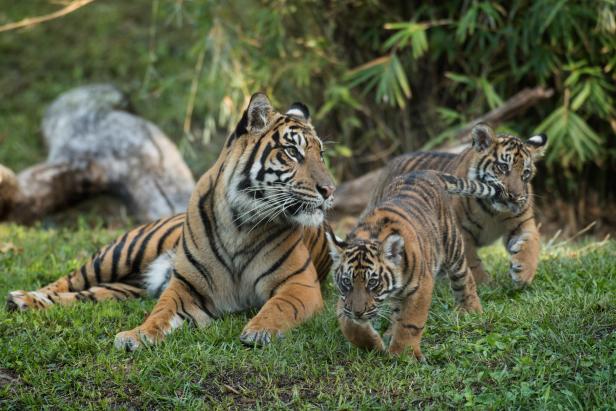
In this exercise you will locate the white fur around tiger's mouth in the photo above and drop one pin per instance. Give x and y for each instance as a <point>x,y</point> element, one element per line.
<point>506,207</point>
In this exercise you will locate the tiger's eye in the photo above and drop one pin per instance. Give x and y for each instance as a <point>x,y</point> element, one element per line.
<point>502,167</point>
<point>346,281</point>
<point>373,282</point>
<point>526,175</point>
<point>292,152</point>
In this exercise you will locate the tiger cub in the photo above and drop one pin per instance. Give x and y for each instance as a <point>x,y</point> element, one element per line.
<point>392,255</point>
<point>505,159</point>
<point>253,236</point>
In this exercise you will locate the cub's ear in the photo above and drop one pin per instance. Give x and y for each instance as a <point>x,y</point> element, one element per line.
<point>537,145</point>
<point>483,137</point>
<point>336,246</point>
<point>393,248</point>
<point>258,113</point>
<point>299,110</point>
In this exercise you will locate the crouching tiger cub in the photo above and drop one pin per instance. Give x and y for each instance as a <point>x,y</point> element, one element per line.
<point>505,159</point>
<point>252,236</point>
<point>406,238</point>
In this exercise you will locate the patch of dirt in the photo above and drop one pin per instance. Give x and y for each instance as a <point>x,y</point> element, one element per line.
<point>604,332</point>
<point>247,387</point>
<point>9,377</point>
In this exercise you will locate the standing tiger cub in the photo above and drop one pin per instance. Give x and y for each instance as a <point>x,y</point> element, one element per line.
<point>252,237</point>
<point>408,236</point>
<point>505,159</point>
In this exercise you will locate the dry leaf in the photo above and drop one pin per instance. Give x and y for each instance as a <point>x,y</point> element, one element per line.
<point>7,247</point>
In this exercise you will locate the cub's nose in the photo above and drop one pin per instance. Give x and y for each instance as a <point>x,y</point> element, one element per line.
<point>326,191</point>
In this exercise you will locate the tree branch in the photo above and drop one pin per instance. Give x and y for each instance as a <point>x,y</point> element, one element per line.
<point>352,196</point>
<point>32,21</point>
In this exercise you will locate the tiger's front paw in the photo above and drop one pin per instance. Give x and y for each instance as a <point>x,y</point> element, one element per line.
<point>24,300</point>
<point>471,307</point>
<point>258,337</point>
<point>520,276</point>
<point>134,339</point>
<point>396,350</point>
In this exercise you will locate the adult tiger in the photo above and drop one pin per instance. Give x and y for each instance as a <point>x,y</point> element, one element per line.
<point>252,236</point>
<point>505,159</point>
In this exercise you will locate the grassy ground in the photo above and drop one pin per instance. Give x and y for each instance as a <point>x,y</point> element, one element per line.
<point>550,346</point>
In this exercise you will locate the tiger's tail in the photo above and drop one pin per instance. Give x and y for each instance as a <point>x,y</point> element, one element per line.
<point>471,188</point>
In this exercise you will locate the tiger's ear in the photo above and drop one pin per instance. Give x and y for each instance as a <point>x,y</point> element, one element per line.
<point>336,246</point>
<point>483,137</point>
<point>393,248</point>
<point>537,145</point>
<point>258,113</point>
<point>299,110</point>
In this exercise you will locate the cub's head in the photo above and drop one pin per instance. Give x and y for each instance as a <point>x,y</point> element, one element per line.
<point>280,174</point>
<point>508,160</point>
<point>366,273</point>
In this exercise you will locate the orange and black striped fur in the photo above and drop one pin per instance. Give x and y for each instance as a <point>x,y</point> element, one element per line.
<point>505,159</point>
<point>252,236</point>
<point>406,238</point>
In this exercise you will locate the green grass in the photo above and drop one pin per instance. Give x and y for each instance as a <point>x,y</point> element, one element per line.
<point>550,346</point>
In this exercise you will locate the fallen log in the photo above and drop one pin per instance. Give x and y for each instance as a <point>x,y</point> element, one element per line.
<point>352,196</point>
<point>95,146</point>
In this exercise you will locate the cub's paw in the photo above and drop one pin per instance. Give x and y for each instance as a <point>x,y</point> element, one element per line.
<point>396,351</point>
<point>471,306</point>
<point>24,300</point>
<point>133,339</point>
<point>258,337</point>
<point>520,277</point>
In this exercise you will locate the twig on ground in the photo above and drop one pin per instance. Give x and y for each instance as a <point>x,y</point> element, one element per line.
<point>584,230</point>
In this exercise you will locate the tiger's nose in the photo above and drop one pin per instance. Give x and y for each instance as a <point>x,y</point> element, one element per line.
<point>326,191</point>
<point>516,198</point>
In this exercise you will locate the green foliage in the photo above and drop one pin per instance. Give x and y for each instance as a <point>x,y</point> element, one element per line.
<point>381,76</point>
<point>550,346</point>
<point>359,62</point>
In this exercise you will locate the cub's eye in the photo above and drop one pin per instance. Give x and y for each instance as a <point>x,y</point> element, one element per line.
<point>526,174</point>
<point>346,281</point>
<point>373,282</point>
<point>292,152</point>
<point>502,168</point>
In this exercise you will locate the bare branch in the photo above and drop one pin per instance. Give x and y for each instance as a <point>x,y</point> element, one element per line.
<point>32,21</point>
<point>352,196</point>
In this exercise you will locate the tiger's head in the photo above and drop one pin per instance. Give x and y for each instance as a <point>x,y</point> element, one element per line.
<point>507,160</point>
<point>366,273</point>
<point>280,174</point>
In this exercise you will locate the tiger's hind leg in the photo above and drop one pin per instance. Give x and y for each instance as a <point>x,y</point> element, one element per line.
<point>177,304</point>
<point>23,300</point>
<point>465,289</point>
<point>112,265</point>
<point>475,264</point>
<point>462,280</point>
